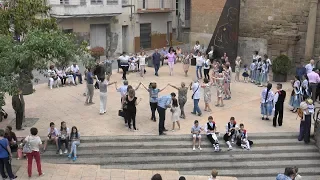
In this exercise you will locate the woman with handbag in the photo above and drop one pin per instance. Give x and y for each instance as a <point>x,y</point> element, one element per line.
<point>31,147</point>
<point>5,157</point>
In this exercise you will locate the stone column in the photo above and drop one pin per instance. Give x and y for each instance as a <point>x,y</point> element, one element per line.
<point>312,20</point>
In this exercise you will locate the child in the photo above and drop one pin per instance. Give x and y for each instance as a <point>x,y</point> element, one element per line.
<point>220,89</point>
<point>207,94</point>
<point>245,74</point>
<point>195,131</point>
<point>231,129</point>
<point>175,110</point>
<point>253,71</point>
<point>211,134</point>
<point>242,139</point>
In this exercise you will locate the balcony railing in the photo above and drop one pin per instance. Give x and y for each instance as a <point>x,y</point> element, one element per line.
<point>144,6</point>
<point>85,7</point>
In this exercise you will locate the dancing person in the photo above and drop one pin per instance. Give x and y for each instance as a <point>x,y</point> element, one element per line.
<point>211,134</point>
<point>195,131</point>
<point>90,87</point>
<point>186,63</point>
<point>164,102</point>
<point>237,69</point>
<point>245,73</point>
<point>215,72</point>
<point>207,94</point>
<point>171,59</point>
<point>35,144</point>
<point>74,141</point>
<point>64,134</point>
<point>305,87</point>
<point>131,112</point>
<point>227,81</point>
<point>263,73</point>
<point>258,72</point>
<point>103,84</point>
<point>278,101</point>
<point>182,97</point>
<point>122,89</point>
<point>5,157</point>
<point>253,71</point>
<point>163,54</point>
<point>256,55</point>
<point>175,113</point>
<point>124,63</point>
<point>307,110</point>
<point>197,47</point>
<point>266,105</point>
<point>230,135</point>
<point>314,80</point>
<point>295,98</point>
<point>199,64</point>
<point>195,87</point>
<point>269,64</point>
<point>153,98</point>
<point>53,134</point>
<point>142,63</point>
<point>206,68</point>
<point>220,80</point>
<point>179,54</point>
<point>156,58</point>
<point>19,107</point>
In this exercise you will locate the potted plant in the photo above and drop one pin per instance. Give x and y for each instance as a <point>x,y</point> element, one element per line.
<point>280,68</point>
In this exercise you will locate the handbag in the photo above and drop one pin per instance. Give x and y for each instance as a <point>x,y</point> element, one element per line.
<point>27,147</point>
<point>120,113</point>
<point>195,92</point>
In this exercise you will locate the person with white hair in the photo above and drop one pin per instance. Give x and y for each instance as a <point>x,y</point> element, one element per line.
<point>309,67</point>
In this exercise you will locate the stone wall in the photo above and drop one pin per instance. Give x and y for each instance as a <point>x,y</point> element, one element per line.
<point>282,23</point>
<point>316,50</point>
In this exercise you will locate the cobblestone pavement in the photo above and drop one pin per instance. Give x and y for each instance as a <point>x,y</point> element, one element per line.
<point>67,104</point>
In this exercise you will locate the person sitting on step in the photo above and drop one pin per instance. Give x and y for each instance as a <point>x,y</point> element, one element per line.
<point>242,138</point>
<point>195,131</point>
<point>230,135</point>
<point>211,133</point>
<point>75,141</point>
<point>64,137</point>
<point>52,136</point>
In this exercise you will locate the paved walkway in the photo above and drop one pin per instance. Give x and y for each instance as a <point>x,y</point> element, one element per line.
<point>67,104</point>
<point>92,172</point>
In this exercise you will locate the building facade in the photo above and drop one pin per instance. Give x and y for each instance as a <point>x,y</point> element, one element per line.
<point>117,25</point>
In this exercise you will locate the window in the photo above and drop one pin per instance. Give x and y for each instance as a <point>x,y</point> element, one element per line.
<point>96,1</point>
<point>143,4</point>
<point>64,1</point>
<point>112,2</point>
<point>177,7</point>
<point>145,35</point>
<point>67,31</point>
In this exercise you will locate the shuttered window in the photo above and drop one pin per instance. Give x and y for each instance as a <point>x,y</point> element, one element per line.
<point>145,35</point>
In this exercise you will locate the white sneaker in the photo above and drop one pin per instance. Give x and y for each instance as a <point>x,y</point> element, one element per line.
<point>193,148</point>
<point>199,148</point>
<point>60,151</point>
<point>243,146</point>
<point>230,148</point>
<point>42,174</point>
<point>66,151</point>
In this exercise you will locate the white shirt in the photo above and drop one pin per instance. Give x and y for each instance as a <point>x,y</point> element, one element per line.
<point>124,60</point>
<point>75,69</point>
<point>309,67</point>
<point>231,125</point>
<point>256,57</point>
<point>34,142</point>
<point>199,60</point>
<point>142,60</point>
<point>55,131</point>
<point>196,90</point>
<point>276,96</point>
<point>196,47</point>
<point>269,97</point>
<point>208,63</point>
<point>68,131</point>
<point>207,130</point>
<point>123,90</point>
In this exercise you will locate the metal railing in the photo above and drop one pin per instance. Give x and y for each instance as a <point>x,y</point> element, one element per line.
<point>155,4</point>
<point>84,2</point>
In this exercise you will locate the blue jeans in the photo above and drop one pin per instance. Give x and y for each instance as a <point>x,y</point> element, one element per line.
<point>199,70</point>
<point>74,145</point>
<point>156,68</point>
<point>196,107</point>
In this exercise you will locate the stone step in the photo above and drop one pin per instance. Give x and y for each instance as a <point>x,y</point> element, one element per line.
<point>147,138</point>
<point>188,151</point>
<point>243,174</point>
<point>181,144</point>
<point>105,160</point>
<point>315,177</point>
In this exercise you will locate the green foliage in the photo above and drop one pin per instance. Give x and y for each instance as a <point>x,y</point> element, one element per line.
<point>96,52</point>
<point>281,65</point>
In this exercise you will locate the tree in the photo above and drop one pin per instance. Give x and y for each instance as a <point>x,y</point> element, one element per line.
<point>30,40</point>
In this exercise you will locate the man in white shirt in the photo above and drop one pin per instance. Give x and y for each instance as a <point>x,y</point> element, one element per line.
<point>124,62</point>
<point>76,73</point>
<point>195,87</point>
<point>309,67</point>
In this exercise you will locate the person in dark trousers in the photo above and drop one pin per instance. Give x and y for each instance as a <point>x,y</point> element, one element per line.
<point>18,106</point>
<point>278,101</point>
<point>307,110</point>
<point>5,157</point>
<point>156,57</point>
<point>90,87</point>
<point>164,102</point>
<point>124,63</point>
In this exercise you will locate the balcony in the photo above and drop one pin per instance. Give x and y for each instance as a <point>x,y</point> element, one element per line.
<point>155,6</point>
<point>85,8</point>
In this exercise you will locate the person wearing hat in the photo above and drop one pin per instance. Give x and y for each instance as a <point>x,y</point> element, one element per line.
<point>306,109</point>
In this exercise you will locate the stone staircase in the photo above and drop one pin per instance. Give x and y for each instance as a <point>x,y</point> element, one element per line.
<point>270,154</point>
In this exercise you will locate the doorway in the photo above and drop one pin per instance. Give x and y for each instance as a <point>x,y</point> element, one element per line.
<point>125,40</point>
<point>169,30</point>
